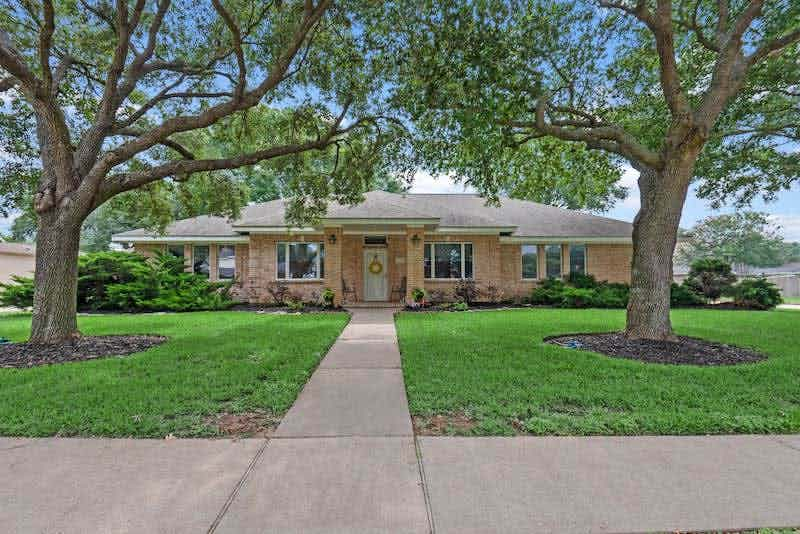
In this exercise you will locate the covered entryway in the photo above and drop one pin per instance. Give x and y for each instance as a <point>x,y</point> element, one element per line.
<point>376,285</point>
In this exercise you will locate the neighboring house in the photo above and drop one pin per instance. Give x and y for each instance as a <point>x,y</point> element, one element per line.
<point>16,259</point>
<point>383,248</point>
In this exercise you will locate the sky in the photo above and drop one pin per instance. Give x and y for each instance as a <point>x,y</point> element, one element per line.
<point>785,212</point>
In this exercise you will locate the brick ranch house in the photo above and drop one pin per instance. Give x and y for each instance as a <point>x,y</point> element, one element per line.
<point>389,244</point>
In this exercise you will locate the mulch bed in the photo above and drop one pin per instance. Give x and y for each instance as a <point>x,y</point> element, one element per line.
<point>82,348</point>
<point>684,351</point>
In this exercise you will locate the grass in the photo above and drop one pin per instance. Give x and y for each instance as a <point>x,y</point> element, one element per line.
<point>493,368</point>
<point>791,300</point>
<point>213,362</point>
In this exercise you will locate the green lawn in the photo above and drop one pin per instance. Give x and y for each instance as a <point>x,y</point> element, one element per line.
<point>791,300</point>
<point>214,362</point>
<point>491,368</point>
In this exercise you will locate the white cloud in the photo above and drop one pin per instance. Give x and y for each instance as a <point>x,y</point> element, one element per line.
<point>630,179</point>
<point>789,225</point>
<point>424,182</point>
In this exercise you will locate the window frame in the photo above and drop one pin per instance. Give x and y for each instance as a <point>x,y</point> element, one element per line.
<point>320,263</point>
<point>207,260</point>
<point>522,262</point>
<point>219,257</point>
<point>433,244</point>
<point>560,263</point>
<point>585,257</point>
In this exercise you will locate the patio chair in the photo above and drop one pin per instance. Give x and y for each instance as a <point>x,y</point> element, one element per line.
<point>348,292</point>
<point>400,290</point>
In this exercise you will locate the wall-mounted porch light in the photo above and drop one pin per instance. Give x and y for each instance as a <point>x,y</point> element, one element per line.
<point>415,239</point>
<point>332,239</point>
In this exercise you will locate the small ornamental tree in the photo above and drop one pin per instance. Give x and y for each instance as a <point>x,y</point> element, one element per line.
<point>711,277</point>
<point>105,97</point>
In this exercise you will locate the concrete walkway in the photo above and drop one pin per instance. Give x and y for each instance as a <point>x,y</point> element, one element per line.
<point>344,459</point>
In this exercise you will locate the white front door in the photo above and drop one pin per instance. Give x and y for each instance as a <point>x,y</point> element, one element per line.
<point>375,278</point>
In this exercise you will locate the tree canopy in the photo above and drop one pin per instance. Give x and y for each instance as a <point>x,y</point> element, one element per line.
<point>744,239</point>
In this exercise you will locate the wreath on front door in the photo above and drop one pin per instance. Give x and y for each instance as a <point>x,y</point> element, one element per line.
<point>375,266</point>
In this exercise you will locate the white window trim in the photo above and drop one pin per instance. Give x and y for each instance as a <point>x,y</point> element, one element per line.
<point>463,258</point>
<point>522,264</point>
<point>288,272</point>
<point>585,257</point>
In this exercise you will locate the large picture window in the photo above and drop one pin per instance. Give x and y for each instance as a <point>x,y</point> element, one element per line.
<point>530,262</point>
<point>552,256</point>
<point>448,260</point>
<point>176,250</point>
<point>226,262</point>
<point>200,260</point>
<point>301,261</point>
<point>577,259</point>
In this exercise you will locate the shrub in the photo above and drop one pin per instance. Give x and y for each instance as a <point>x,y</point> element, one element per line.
<point>612,295</point>
<point>493,293</point>
<point>328,296</point>
<point>711,277</point>
<point>295,304</point>
<point>577,297</point>
<point>418,294</point>
<point>460,306</point>
<point>121,281</point>
<point>466,291</point>
<point>756,293</point>
<point>685,295</point>
<point>437,296</point>
<point>548,291</point>
<point>18,294</point>
<point>581,281</point>
<point>278,291</point>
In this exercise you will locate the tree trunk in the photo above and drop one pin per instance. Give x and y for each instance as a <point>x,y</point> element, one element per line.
<point>655,232</point>
<point>56,280</point>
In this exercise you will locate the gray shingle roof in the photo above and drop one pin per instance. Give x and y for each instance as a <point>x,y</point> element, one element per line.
<point>523,218</point>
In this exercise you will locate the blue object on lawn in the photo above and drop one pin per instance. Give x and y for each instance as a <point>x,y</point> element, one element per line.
<point>573,344</point>
<point>4,341</point>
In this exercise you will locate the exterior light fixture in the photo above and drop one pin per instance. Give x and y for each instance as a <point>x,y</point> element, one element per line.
<point>415,239</point>
<point>332,239</point>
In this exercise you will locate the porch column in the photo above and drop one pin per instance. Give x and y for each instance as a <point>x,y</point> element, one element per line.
<point>213,274</point>
<point>415,255</point>
<point>333,262</point>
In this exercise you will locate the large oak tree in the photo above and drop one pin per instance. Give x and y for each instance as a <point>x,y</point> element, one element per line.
<point>117,91</point>
<point>652,82</point>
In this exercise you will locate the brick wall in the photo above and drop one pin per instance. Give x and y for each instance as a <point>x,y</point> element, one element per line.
<point>149,250</point>
<point>495,263</point>
<point>610,262</point>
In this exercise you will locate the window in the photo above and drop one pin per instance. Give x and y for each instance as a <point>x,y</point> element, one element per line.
<point>301,261</point>
<point>448,260</point>
<point>226,262</point>
<point>530,262</point>
<point>176,250</point>
<point>577,259</point>
<point>552,257</point>
<point>200,260</point>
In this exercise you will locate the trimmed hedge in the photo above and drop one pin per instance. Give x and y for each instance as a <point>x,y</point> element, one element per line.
<point>756,293</point>
<point>123,281</point>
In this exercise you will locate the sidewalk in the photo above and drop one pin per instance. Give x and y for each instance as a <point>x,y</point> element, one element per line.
<point>344,459</point>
